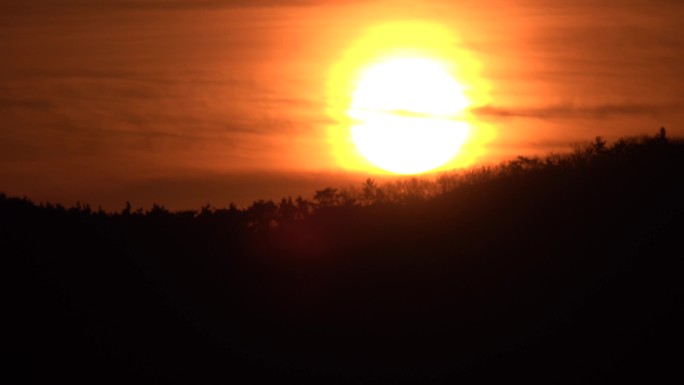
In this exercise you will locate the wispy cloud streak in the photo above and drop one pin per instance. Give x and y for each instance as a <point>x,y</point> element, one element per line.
<point>569,111</point>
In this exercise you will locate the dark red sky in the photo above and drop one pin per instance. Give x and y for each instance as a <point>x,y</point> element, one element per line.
<point>186,102</point>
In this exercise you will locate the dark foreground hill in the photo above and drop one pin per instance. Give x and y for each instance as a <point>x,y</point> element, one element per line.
<point>562,269</point>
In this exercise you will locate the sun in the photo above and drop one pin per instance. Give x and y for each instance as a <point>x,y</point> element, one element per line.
<point>406,115</point>
<point>400,99</point>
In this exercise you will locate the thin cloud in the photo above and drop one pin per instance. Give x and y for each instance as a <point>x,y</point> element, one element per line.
<point>21,6</point>
<point>602,111</point>
<point>12,104</point>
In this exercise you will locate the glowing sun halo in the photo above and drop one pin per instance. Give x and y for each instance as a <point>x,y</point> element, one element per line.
<point>400,97</point>
<point>405,114</point>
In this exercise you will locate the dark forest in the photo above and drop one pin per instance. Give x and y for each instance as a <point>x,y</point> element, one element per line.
<point>555,269</point>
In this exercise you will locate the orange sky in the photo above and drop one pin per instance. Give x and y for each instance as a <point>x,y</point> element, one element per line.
<point>186,102</point>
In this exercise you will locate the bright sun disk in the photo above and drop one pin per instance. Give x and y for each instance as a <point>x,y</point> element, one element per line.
<point>407,115</point>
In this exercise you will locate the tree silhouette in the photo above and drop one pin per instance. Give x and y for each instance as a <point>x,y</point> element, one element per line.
<point>370,193</point>
<point>262,214</point>
<point>327,197</point>
<point>287,211</point>
<point>662,135</point>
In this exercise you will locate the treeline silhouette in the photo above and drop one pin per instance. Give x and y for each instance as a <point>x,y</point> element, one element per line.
<point>555,269</point>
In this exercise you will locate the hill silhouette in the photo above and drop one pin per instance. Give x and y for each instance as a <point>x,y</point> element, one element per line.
<point>555,269</point>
